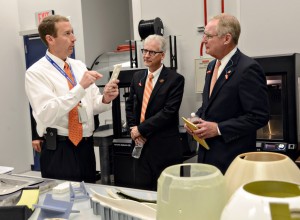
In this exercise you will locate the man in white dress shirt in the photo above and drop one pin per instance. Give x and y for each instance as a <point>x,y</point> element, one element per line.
<point>57,85</point>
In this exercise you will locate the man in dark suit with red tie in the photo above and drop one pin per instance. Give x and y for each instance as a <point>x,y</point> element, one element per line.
<point>235,100</point>
<point>152,114</point>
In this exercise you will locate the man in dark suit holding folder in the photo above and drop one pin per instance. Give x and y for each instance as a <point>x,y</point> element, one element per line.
<point>235,100</point>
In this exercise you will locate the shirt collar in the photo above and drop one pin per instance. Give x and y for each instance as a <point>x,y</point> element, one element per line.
<point>156,72</point>
<point>57,60</point>
<point>226,59</point>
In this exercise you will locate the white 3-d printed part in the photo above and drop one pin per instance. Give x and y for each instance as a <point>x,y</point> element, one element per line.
<point>64,187</point>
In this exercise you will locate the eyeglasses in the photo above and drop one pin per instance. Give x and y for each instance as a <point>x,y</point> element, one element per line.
<point>209,36</point>
<point>151,52</point>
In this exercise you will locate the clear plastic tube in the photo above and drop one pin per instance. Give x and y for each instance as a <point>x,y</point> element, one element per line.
<point>137,150</point>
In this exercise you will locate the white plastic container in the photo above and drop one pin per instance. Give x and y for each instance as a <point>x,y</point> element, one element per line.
<point>6,170</point>
<point>264,200</point>
<point>191,191</point>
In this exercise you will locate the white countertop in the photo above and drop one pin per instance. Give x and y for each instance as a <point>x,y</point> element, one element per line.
<point>84,206</point>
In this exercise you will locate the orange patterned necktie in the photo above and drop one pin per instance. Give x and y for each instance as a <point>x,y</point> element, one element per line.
<point>214,76</point>
<point>75,127</point>
<point>147,92</point>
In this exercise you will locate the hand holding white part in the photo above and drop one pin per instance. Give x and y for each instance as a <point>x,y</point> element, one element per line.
<point>89,77</point>
<point>116,71</point>
<point>111,91</point>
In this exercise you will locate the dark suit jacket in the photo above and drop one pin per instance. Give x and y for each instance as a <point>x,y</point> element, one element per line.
<point>239,104</point>
<point>160,128</point>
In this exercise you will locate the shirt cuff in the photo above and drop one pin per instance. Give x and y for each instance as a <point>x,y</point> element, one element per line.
<point>104,106</point>
<point>219,132</point>
<point>78,91</point>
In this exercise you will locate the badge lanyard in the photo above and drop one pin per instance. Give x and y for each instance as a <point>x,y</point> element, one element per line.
<point>81,110</point>
<point>62,71</point>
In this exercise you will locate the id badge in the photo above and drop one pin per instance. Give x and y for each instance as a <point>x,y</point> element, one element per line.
<point>82,115</point>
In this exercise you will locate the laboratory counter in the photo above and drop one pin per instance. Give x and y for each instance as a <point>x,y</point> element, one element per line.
<point>80,193</point>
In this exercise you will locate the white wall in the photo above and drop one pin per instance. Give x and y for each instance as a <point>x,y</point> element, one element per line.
<point>181,18</point>
<point>106,24</point>
<point>268,27</point>
<point>72,8</point>
<point>15,136</point>
<point>136,12</point>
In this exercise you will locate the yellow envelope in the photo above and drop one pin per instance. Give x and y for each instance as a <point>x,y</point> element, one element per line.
<point>193,127</point>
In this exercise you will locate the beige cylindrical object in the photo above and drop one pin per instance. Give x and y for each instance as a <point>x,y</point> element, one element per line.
<point>254,166</point>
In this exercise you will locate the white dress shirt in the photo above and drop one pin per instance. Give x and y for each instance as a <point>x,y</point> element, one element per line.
<point>225,60</point>
<point>51,99</point>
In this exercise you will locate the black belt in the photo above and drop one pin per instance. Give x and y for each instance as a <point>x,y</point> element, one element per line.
<point>65,138</point>
<point>62,138</point>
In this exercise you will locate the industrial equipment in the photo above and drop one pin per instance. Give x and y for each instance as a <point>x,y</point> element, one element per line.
<point>281,134</point>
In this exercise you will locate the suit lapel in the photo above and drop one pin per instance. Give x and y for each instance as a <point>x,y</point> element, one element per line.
<point>225,76</point>
<point>141,82</point>
<point>160,81</point>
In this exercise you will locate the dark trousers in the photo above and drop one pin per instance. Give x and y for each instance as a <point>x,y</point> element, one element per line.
<point>68,162</point>
<point>157,154</point>
<point>146,175</point>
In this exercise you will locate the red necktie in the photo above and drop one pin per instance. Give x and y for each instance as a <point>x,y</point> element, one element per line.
<point>214,76</point>
<point>147,93</point>
<point>75,127</point>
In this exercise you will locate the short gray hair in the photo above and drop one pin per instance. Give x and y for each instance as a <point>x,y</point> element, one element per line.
<point>228,24</point>
<point>160,39</point>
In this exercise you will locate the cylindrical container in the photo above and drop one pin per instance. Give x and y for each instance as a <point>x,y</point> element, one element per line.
<point>264,200</point>
<point>137,150</point>
<point>191,191</point>
<point>255,166</point>
<point>149,27</point>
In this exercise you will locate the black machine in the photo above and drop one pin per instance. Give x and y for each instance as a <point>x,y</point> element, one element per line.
<point>120,130</point>
<point>281,134</point>
<point>122,143</point>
